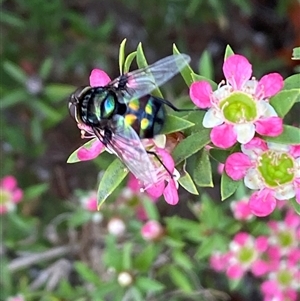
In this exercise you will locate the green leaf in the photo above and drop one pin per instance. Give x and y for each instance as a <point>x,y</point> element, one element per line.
<point>197,77</point>
<point>142,62</point>
<point>290,135</point>
<point>57,92</point>
<point>220,155</point>
<point>182,259</point>
<point>73,158</point>
<point>175,124</point>
<point>151,209</point>
<point>180,279</point>
<point>13,98</point>
<point>292,82</point>
<point>188,184</point>
<point>284,101</point>
<point>122,55</point>
<point>206,65</point>
<point>149,285</point>
<point>185,72</point>
<point>296,205</point>
<point>46,68</point>
<point>127,256</point>
<point>15,72</point>
<point>202,172</point>
<point>130,57</point>
<point>228,186</point>
<point>79,218</point>
<point>113,176</point>
<point>296,53</point>
<point>35,191</point>
<point>86,273</point>
<point>145,259</point>
<point>207,247</point>
<point>190,145</point>
<point>228,52</point>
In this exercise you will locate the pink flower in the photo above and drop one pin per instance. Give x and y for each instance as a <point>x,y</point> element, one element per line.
<point>271,169</point>
<point>245,252</point>
<point>219,262</point>
<point>152,230</point>
<point>282,284</point>
<point>240,107</point>
<point>10,194</point>
<point>241,210</point>
<point>167,184</point>
<point>89,201</point>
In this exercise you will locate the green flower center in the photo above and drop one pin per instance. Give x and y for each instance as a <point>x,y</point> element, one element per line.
<point>276,168</point>
<point>285,278</point>
<point>285,239</point>
<point>239,107</point>
<point>5,196</point>
<point>246,255</point>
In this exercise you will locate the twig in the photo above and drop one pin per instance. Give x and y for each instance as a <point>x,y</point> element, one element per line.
<point>26,261</point>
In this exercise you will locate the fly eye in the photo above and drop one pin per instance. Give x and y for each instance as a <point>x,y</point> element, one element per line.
<point>73,110</point>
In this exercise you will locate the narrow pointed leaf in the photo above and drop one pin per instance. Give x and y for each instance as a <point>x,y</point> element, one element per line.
<point>197,77</point>
<point>187,71</point>
<point>190,145</point>
<point>73,158</point>
<point>188,184</point>
<point>111,179</point>
<point>15,72</point>
<point>290,135</point>
<point>292,82</point>
<point>206,65</point>
<point>46,68</point>
<point>228,186</point>
<point>228,52</point>
<point>122,55</point>
<point>142,62</point>
<point>175,124</point>
<point>284,101</point>
<point>202,172</point>
<point>130,57</point>
<point>296,53</point>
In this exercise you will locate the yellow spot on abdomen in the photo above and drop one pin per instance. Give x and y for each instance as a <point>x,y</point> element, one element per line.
<point>130,119</point>
<point>144,123</point>
<point>148,109</point>
<point>134,104</point>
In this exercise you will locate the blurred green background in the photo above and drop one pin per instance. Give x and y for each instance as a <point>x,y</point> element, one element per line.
<point>48,48</point>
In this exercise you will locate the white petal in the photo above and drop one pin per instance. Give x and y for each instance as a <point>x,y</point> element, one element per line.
<point>253,179</point>
<point>222,92</point>
<point>285,192</point>
<point>278,147</point>
<point>252,153</point>
<point>212,118</point>
<point>245,132</point>
<point>297,168</point>
<point>160,140</point>
<point>250,86</point>
<point>265,109</point>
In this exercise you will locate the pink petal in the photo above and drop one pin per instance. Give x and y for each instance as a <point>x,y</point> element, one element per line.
<point>295,151</point>
<point>237,70</point>
<point>241,210</point>
<point>256,143</point>
<point>151,230</point>
<point>237,165</point>
<point>85,154</point>
<point>166,158</point>
<point>200,93</point>
<point>259,268</point>
<point>133,183</point>
<point>156,190</point>
<point>262,203</point>
<point>171,193</point>
<point>271,126</point>
<point>17,195</point>
<point>91,204</point>
<point>298,195</point>
<point>223,136</point>
<point>235,271</point>
<point>269,85</point>
<point>261,243</point>
<point>292,220</point>
<point>3,209</point>
<point>98,78</point>
<point>9,183</point>
<point>219,262</point>
<point>241,238</point>
<point>270,287</point>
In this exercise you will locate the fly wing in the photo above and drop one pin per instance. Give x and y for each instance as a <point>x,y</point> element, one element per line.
<point>126,144</point>
<point>140,82</point>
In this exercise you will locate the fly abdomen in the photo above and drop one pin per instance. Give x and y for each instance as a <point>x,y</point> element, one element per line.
<point>146,116</point>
